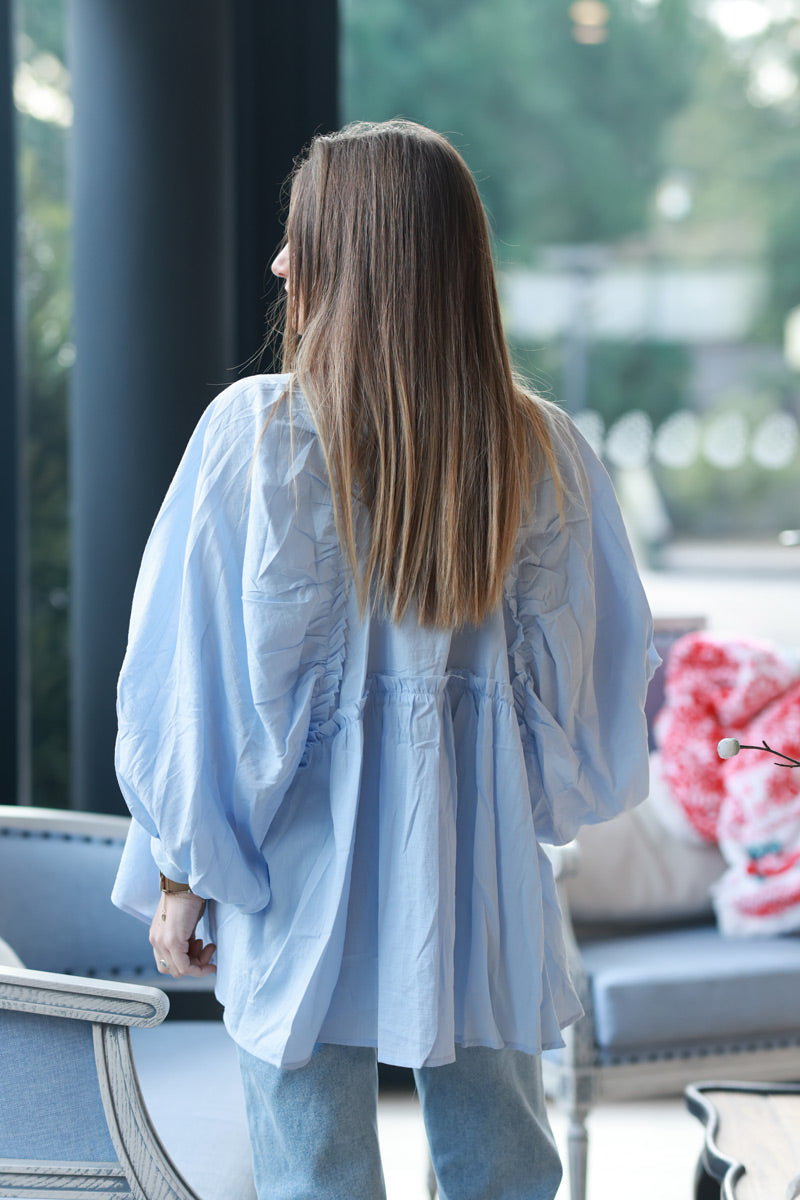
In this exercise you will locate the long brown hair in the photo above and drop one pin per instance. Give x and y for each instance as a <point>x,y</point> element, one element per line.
<point>393,331</point>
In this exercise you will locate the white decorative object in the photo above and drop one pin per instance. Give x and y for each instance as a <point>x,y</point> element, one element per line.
<point>728,747</point>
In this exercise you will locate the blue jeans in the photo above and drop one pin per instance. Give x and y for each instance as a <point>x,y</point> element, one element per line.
<point>314,1130</point>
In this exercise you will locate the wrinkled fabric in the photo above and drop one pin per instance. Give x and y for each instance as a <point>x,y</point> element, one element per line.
<point>363,803</point>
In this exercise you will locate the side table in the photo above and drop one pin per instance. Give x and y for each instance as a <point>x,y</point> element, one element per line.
<point>752,1142</point>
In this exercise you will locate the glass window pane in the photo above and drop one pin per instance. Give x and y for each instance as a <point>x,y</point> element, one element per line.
<point>639,162</point>
<point>42,99</point>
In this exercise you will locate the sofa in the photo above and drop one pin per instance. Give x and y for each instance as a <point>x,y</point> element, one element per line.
<point>669,999</point>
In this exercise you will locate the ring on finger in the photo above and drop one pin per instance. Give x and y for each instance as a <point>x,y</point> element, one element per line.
<point>162,963</point>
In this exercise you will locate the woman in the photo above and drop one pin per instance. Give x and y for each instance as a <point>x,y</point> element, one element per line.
<point>387,638</point>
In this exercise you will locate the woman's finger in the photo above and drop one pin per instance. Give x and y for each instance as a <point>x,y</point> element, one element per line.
<point>208,953</point>
<point>208,969</point>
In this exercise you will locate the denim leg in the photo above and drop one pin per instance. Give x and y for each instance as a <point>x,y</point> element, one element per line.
<point>314,1130</point>
<point>487,1126</point>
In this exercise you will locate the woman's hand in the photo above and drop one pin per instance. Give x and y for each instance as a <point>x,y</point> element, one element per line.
<point>177,951</point>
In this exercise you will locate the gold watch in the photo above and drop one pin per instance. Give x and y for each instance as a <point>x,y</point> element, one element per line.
<point>170,886</point>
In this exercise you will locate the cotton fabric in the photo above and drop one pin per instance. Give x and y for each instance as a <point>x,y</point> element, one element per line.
<point>362,802</point>
<point>314,1131</point>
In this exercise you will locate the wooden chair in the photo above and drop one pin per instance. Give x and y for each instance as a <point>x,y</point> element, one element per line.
<point>99,1096</point>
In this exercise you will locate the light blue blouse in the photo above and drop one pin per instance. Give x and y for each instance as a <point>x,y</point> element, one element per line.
<point>363,802</point>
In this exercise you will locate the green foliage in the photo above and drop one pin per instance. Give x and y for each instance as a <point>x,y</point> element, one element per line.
<point>783,241</point>
<point>652,377</point>
<point>742,160</point>
<point>564,139</point>
<point>649,376</point>
<point>45,273</point>
<point>717,143</point>
<point>744,500</point>
<point>706,502</point>
<point>42,23</point>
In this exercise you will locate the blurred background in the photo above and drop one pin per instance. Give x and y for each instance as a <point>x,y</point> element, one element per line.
<point>640,164</point>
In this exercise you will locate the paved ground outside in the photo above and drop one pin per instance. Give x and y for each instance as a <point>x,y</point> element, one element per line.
<point>642,1149</point>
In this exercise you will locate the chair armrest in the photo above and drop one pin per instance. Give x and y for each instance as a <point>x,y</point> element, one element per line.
<point>100,1001</point>
<point>102,1063</point>
<point>29,819</point>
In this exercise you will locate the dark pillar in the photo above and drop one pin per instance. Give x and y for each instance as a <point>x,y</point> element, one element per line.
<point>152,311</point>
<point>187,117</point>
<point>9,470</point>
<point>286,91</point>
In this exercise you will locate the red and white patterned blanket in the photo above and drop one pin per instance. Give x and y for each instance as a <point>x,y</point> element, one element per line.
<point>723,687</point>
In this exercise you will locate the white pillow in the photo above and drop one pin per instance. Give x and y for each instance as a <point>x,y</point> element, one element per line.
<point>7,956</point>
<point>635,869</point>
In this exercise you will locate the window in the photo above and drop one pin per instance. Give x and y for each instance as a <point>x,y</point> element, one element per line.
<point>41,95</point>
<point>639,161</point>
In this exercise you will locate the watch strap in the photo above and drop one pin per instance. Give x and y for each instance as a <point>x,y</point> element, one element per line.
<point>170,886</point>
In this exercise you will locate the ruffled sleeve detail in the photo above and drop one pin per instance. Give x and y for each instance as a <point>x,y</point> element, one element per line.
<point>231,660</point>
<point>580,650</point>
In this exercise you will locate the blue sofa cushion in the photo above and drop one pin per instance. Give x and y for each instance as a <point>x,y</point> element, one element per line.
<point>189,1075</point>
<point>50,1102</point>
<point>689,986</point>
<point>67,923</point>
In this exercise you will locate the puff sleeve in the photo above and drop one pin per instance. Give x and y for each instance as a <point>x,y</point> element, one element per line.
<point>214,698</point>
<point>580,650</point>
